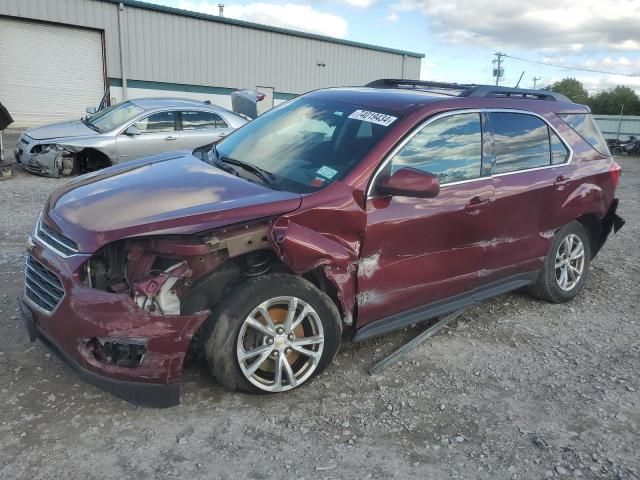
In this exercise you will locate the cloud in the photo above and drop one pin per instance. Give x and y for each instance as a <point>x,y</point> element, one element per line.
<point>570,25</point>
<point>393,17</point>
<point>358,3</point>
<point>287,15</point>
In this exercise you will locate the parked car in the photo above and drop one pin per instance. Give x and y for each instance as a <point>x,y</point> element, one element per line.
<point>123,132</point>
<point>343,213</point>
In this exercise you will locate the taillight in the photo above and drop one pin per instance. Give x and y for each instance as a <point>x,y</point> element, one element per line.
<point>615,173</point>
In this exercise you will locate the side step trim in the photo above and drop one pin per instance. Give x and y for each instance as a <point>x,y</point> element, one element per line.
<point>442,307</point>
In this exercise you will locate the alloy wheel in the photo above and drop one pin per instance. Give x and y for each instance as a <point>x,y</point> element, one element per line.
<point>569,265</point>
<point>280,344</point>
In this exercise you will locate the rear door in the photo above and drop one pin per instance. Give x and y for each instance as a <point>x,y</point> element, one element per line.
<point>417,251</point>
<point>157,134</point>
<point>531,177</point>
<point>200,127</point>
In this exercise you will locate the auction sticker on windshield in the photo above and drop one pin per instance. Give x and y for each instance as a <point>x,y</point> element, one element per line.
<point>373,117</point>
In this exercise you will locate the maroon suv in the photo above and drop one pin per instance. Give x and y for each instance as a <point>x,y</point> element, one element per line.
<point>346,212</point>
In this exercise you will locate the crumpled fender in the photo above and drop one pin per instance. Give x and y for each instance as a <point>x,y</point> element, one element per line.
<point>317,236</point>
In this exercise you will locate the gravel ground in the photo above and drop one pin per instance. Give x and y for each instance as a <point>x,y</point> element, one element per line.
<point>516,388</point>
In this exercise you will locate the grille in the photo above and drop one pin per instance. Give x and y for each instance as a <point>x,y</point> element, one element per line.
<point>56,241</point>
<point>42,286</point>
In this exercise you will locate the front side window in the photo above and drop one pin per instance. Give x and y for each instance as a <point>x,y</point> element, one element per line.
<point>521,142</point>
<point>450,148</point>
<point>198,120</point>
<point>308,143</point>
<point>157,122</point>
<point>586,127</point>
<point>114,116</point>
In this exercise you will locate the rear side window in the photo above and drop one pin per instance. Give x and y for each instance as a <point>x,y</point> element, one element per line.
<point>198,120</point>
<point>559,151</point>
<point>450,148</point>
<point>521,142</point>
<point>585,126</point>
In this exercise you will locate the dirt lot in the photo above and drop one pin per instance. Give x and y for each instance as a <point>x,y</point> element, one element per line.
<point>516,389</point>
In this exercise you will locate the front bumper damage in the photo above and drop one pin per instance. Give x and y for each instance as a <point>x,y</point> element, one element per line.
<point>107,339</point>
<point>50,162</point>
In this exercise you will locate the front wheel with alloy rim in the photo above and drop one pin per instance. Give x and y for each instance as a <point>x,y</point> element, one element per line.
<point>272,334</point>
<point>566,265</point>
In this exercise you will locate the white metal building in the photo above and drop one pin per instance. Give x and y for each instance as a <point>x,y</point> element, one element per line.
<point>58,57</point>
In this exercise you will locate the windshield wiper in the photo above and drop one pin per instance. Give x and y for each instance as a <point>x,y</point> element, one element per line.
<point>265,176</point>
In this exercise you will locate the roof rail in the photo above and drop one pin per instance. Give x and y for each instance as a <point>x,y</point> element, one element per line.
<point>404,83</point>
<point>470,90</point>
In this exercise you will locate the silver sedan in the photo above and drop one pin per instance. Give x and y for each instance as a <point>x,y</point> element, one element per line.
<point>122,132</point>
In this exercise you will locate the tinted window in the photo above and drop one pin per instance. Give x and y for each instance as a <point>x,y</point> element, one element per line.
<point>559,152</point>
<point>158,122</point>
<point>202,120</point>
<point>450,148</point>
<point>520,141</point>
<point>586,127</point>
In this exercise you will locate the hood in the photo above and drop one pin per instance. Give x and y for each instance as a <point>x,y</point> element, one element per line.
<point>61,130</point>
<point>163,194</point>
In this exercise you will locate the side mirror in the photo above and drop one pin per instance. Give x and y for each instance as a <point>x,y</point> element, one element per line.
<point>91,110</point>
<point>410,182</point>
<point>132,130</point>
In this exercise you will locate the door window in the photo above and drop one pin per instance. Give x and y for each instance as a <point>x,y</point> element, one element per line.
<point>450,148</point>
<point>559,151</point>
<point>521,141</point>
<point>157,122</point>
<point>197,120</point>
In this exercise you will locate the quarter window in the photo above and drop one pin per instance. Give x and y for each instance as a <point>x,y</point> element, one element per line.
<point>450,148</point>
<point>158,122</point>
<point>198,120</point>
<point>521,141</point>
<point>586,127</point>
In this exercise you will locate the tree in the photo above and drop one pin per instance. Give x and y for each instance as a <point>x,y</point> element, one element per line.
<point>609,102</point>
<point>571,88</point>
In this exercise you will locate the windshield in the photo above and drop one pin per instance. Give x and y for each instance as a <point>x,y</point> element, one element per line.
<point>114,116</point>
<point>307,143</point>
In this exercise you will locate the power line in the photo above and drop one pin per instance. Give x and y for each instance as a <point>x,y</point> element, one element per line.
<point>592,70</point>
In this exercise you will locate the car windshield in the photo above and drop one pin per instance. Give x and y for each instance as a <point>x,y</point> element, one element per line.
<point>306,144</point>
<point>114,116</point>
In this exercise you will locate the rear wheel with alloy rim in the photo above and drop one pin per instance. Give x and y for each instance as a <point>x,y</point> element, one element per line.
<point>566,265</point>
<point>273,334</point>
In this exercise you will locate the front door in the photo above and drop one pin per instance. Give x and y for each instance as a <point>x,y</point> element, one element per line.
<point>417,251</point>
<point>157,134</point>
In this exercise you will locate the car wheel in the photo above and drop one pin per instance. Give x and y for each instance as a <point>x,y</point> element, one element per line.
<point>566,265</point>
<point>274,333</point>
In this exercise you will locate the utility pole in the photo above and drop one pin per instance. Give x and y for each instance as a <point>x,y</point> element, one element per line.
<point>498,71</point>
<point>535,80</point>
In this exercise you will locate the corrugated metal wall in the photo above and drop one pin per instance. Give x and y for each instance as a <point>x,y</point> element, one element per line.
<point>165,47</point>
<point>626,125</point>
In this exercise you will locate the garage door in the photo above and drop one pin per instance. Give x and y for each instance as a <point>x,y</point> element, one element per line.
<point>48,73</point>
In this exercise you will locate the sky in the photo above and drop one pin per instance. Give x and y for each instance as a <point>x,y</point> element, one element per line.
<point>460,37</point>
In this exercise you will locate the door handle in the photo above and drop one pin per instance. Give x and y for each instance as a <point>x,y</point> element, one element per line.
<point>223,134</point>
<point>561,181</point>
<point>476,202</point>
<point>170,137</point>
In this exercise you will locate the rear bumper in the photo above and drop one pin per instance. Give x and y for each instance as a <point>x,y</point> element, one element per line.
<point>143,394</point>
<point>611,221</point>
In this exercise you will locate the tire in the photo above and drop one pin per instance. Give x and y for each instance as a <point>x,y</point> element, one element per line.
<point>239,326</point>
<point>554,286</point>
